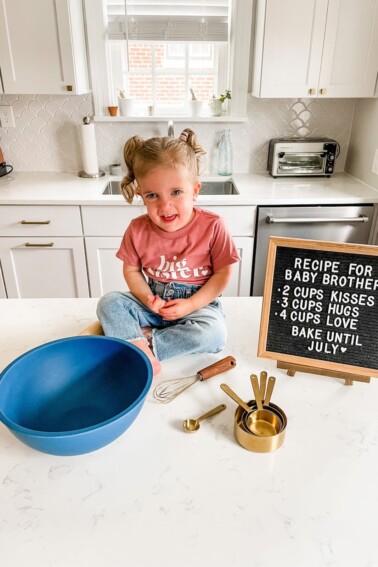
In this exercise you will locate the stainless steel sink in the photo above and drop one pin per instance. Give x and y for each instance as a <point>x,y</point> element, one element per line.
<point>218,188</point>
<point>208,188</point>
<point>112,188</point>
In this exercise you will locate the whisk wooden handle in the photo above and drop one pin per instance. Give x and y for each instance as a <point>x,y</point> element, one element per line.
<point>217,368</point>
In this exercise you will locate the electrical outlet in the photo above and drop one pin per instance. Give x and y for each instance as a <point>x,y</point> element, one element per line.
<point>6,117</point>
<point>375,163</point>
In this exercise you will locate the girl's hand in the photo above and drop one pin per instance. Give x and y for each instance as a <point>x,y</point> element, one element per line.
<point>155,303</point>
<point>175,309</point>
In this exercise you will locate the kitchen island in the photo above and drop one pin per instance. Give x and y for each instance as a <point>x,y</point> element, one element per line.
<point>160,497</point>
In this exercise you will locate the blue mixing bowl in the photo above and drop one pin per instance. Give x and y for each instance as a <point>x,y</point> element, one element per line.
<point>75,395</point>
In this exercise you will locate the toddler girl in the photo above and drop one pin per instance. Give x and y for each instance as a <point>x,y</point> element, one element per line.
<point>177,258</point>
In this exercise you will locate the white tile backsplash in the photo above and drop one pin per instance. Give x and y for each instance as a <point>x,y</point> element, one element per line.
<point>45,137</point>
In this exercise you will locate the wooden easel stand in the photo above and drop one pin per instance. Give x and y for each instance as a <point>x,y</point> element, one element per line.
<point>349,378</point>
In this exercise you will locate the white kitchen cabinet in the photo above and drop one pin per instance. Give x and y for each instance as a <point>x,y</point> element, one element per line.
<point>41,268</point>
<point>316,48</point>
<point>42,251</point>
<point>46,220</point>
<point>42,47</point>
<point>104,228</point>
<point>240,283</point>
<point>105,270</point>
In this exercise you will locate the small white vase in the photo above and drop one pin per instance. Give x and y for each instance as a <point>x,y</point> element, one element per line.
<point>215,107</point>
<point>126,106</point>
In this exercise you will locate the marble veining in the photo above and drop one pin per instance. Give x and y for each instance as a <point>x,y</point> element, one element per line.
<point>160,497</point>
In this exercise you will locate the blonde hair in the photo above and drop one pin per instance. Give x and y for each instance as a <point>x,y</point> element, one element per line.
<point>142,156</point>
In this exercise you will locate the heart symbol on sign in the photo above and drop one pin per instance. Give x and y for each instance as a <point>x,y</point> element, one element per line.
<point>343,349</point>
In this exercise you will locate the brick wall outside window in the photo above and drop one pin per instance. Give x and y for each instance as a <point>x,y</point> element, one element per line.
<point>170,87</point>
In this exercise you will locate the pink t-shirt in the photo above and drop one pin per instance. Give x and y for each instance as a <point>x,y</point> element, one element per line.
<point>189,255</point>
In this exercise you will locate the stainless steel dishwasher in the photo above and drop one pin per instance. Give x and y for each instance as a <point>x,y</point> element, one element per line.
<point>346,223</point>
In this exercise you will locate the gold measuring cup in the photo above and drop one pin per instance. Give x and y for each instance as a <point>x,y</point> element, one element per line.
<point>266,440</point>
<point>257,421</point>
<point>262,422</point>
<point>256,443</point>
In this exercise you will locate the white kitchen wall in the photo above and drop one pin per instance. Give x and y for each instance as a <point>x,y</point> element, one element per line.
<point>45,137</point>
<point>364,142</point>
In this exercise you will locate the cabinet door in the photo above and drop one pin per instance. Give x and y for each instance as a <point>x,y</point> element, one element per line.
<point>42,47</point>
<point>288,47</point>
<point>350,55</point>
<point>105,270</point>
<point>240,283</point>
<point>41,268</point>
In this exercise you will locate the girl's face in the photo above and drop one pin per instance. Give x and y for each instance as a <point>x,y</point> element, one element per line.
<point>169,195</point>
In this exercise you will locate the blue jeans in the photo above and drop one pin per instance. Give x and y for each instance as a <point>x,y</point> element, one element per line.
<point>123,316</point>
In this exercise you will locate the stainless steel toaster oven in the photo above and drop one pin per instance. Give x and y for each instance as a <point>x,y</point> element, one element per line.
<point>294,157</point>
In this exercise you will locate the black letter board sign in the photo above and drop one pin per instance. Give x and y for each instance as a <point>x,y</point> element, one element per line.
<point>320,305</point>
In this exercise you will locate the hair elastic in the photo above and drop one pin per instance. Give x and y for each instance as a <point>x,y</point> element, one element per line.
<point>184,136</point>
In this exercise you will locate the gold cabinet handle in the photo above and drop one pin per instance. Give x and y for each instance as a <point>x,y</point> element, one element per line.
<point>311,91</point>
<point>323,91</point>
<point>69,88</point>
<point>46,245</point>
<point>35,222</point>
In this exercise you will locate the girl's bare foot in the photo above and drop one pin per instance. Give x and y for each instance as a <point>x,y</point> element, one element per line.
<point>142,345</point>
<point>146,332</point>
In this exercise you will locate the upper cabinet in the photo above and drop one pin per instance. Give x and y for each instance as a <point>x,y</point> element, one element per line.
<point>316,48</point>
<point>42,47</point>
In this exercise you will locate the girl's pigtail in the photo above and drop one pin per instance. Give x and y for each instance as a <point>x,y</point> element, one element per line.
<point>129,189</point>
<point>129,184</point>
<point>190,138</point>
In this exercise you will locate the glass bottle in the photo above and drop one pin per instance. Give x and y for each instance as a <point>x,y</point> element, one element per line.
<point>225,154</point>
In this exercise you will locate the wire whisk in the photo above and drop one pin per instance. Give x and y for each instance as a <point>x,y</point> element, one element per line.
<point>168,390</point>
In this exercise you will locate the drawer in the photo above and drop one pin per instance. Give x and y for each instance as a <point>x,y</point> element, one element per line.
<point>240,220</point>
<point>109,221</point>
<point>40,220</point>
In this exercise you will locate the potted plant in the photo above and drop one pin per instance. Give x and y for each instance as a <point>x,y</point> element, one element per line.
<point>125,103</point>
<point>216,103</point>
<point>113,110</point>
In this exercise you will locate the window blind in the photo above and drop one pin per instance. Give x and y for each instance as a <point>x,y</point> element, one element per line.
<point>163,20</point>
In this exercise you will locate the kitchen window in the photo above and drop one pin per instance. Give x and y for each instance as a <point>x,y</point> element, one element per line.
<point>156,52</point>
<point>161,74</point>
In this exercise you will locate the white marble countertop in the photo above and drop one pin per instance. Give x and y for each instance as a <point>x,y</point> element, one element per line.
<point>41,188</point>
<point>158,497</point>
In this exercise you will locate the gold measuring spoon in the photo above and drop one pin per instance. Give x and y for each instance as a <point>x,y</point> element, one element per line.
<point>191,425</point>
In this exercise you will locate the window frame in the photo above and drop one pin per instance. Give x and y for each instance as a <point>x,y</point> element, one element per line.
<point>238,56</point>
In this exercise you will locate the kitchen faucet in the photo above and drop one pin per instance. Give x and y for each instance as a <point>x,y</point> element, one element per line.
<point>171,131</point>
